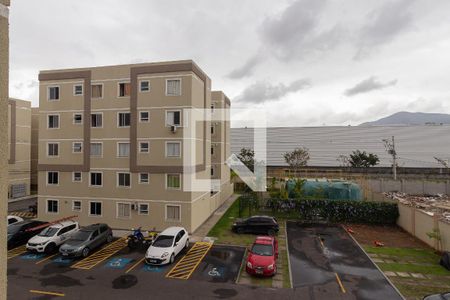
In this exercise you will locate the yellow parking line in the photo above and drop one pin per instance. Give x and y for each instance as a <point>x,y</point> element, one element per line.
<point>188,263</point>
<point>47,293</point>
<point>101,255</point>
<point>338,279</point>
<point>47,258</point>
<point>135,265</point>
<point>17,251</point>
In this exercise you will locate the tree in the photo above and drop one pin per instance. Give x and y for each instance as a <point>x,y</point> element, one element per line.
<point>343,160</point>
<point>360,159</point>
<point>297,158</point>
<point>247,156</point>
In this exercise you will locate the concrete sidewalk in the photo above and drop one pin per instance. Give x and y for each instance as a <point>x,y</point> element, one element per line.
<point>202,231</point>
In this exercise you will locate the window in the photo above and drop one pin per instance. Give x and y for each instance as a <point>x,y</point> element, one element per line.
<point>76,205</point>
<point>123,179</point>
<point>144,116</point>
<point>212,171</point>
<point>78,90</point>
<point>212,129</point>
<point>143,209</point>
<point>52,206</point>
<point>95,209</point>
<point>144,147</point>
<point>173,181</point>
<point>77,147</point>
<point>212,150</point>
<point>77,119</point>
<point>97,91</point>
<point>212,107</point>
<point>173,149</point>
<point>123,119</point>
<point>52,149</point>
<point>53,93</point>
<point>76,177</point>
<point>96,120</point>
<point>173,87</point>
<point>173,212</point>
<point>123,210</point>
<point>52,177</point>
<point>144,86</point>
<point>96,179</point>
<point>96,149</point>
<point>53,121</point>
<point>124,89</point>
<point>143,178</point>
<point>123,149</point>
<point>173,118</point>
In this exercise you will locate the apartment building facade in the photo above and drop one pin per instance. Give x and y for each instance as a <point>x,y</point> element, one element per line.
<point>19,137</point>
<point>34,148</point>
<point>111,145</point>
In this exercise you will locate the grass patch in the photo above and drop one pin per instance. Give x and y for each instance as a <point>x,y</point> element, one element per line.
<point>417,255</point>
<point>416,291</point>
<point>414,268</point>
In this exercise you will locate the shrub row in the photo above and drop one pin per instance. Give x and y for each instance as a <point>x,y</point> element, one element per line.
<point>340,211</point>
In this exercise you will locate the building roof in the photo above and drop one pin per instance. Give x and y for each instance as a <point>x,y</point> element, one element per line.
<point>416,145</point>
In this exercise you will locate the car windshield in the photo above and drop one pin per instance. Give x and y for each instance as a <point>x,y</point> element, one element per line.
<point>81,235</point>
<point>49,231</point>
<point>263,250</point>
<point>163,241</point>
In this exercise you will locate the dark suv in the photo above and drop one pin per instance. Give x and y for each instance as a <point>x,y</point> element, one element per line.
<point>87,239</point>
<point>257,225</point>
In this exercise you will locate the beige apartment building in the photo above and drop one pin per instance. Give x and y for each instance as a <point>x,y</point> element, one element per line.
<point>19,136</point>
<point>111,145</point>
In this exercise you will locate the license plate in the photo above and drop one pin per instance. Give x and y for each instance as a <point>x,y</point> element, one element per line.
<point>65,254</point>
<point>153,261</point>
<point>259,271</point>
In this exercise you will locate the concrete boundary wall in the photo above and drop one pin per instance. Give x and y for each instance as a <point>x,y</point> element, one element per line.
<point>418,223</point>
<point>410,186</point>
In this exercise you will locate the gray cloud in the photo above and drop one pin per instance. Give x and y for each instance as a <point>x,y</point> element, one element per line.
<point>297,30</point>
<point>384,25</point>
<point>263,91</point>
<point>247,69</point>
<point>368,85</point>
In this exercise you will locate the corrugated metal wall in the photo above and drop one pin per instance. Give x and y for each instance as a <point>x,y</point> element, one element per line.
<point>416,145</point>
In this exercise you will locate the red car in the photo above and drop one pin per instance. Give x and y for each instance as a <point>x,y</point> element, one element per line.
<point>262,256</point>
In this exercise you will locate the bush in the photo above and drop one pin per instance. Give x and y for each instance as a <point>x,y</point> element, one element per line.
<point>342,211</point>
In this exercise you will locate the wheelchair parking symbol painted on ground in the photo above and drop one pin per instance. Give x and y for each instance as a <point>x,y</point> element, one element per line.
<point>33,256</point>
<point>118,263</point>
<point>156,269</point>
<point>63,260</point>
<point>217,272</point>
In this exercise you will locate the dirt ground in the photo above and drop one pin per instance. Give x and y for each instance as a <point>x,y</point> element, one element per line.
<point>391,236</point>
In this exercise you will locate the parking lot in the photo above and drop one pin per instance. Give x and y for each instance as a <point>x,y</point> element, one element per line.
<point>118,273</point>
<point>327,263</point>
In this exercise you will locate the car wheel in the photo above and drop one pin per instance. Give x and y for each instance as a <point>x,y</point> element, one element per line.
<point>271,232</point>
<point>50,248</point>
<point>85,252</point>
<point>109,238</point>
<point>240,230</point>
<point>172,258</point>
<point>187,244</point>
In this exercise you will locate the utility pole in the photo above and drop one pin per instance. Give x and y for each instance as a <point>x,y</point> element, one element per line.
<point>390,148</point>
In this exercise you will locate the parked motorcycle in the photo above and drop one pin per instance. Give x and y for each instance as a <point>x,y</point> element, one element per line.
<point>137,240</point>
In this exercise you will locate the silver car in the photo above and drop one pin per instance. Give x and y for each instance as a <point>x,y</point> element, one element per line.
<point>86,239</point>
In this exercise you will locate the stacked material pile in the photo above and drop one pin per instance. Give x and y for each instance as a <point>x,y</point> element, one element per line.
<point>439,203</point>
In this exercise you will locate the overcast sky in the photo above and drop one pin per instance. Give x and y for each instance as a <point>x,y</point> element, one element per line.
<point>306,62</point>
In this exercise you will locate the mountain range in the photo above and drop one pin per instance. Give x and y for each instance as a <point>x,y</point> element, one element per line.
<point>411,118</point>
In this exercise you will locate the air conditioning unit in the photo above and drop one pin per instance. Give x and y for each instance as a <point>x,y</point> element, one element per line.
<point>134,207</point>
<point>173,128</point>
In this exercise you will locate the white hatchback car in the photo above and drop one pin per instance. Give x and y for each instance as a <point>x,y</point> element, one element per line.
<point>167,245</point>
<point>49,239</point>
